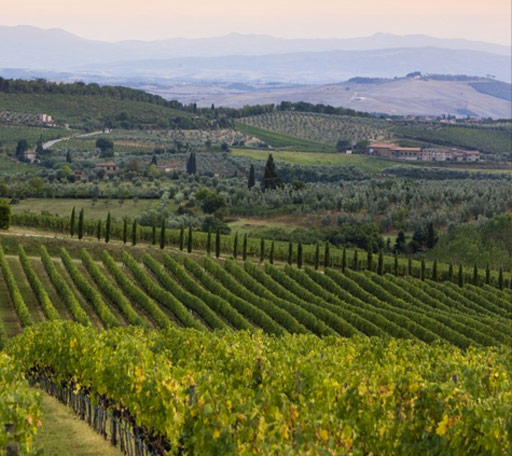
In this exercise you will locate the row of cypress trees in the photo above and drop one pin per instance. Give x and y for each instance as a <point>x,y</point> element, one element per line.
<point>78,228</point>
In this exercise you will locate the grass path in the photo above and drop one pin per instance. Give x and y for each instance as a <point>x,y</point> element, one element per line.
<point>65,434</point>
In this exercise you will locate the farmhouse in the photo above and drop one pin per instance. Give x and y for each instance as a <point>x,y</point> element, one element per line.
<point>392,150</point>
<point>109,167</point>
<point>30,156</point>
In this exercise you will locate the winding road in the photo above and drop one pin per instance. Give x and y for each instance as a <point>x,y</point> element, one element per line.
<point>49,144</point>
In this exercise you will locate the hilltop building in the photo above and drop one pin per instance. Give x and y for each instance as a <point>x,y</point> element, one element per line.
<point>109,167</point>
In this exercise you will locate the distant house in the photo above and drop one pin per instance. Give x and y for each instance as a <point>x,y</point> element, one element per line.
<point>45,119</point>
<point>173,165</point>
<point>109,167</point>
<point>30,156</point>
<point>79,175</point>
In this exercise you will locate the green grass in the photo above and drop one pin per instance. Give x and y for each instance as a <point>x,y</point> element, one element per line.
<point>63,433</point>
<point>98,210</point>
<point>363,162</point>
<point>278,140</point>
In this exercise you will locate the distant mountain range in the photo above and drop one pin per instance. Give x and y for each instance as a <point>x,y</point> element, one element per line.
<point>235,69</point>
<point>243,58</point>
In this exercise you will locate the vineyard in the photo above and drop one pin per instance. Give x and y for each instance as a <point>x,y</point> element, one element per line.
<point>320,128</point>
<point>190,392</point>
<point>205,294</point>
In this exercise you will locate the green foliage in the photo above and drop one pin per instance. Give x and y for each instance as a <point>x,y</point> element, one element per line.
<point>239,378</point>
<point>5,215</point>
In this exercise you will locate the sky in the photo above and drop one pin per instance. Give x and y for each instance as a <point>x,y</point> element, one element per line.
<point>115,20</point>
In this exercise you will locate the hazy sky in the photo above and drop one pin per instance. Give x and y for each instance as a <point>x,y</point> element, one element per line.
<point>114,20</point>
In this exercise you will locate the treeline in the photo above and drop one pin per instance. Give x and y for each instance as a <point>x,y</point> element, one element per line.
<point>415,172</point>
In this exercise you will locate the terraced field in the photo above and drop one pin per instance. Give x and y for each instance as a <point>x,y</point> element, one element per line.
<point>205,294</point>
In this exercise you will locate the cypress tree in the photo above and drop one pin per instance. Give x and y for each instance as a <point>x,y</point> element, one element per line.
<point>271,258</point>
<point>189,239</point>
<point>153,232</point>
<point>81,224</point>
<point>181,242</point>
<point>461,277</point>
<point>380,263</point>
<point>434,271</point>
<point>270,177</point>
<point>125,230</point>
<point>98,230</point>
<point>450,272</point>
<point>191,163</point>
<point>299,255</point>
<point>500,279</point>
<point>369,257</point>
<point>487,275</point>
<point>344,260</point>
<point>290,253</point>
<point>162,233</point>
<point>327,255</point>
<point>107,229</point>
<point>431,236</point>
<point>217,243</point>
<point>244,248</point>
<point>209,243</point>
<point>72,222</point>
<point>317,256</point>
<point>395,265</point>
<point>252,177</point>
<point>134,232</point>
<point>262,250</point>
<point>475,275</point>
<point>422,271</point>
<point>355,261</point>
<point>235,246</point>
<point>409,267</point>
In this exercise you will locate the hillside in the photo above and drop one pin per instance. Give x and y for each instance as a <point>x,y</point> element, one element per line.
<point>402,96</point>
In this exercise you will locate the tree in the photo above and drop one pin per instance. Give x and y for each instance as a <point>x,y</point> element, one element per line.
<point>217,243</point>
<point>252,177</point>
<point>299,255</point>
<point>431,236</point>
<point>21,148</point>
<point>460,280</point>
<point>107,229</point>
<point>154,160</point>
<point>409,267</point>
<point>434,271</point>
<point>262,250</point>
<point>450,272</point>
<point>369,257</point>
<point>106,147</point>
<point>69,157</point>
<point>344,260</point>
<point>153,232</point>
<point>181,242</point>
<point>98,230</point>
<point>244,248</point>
<point>224,147</point>
<point>271,257</point>
<point>342,145</point>
<point>125,230</point>
<point>189,239</point>
<point>162,233</point>
<point>290,253</point>
<point>327,255</point>
<point>39,147</point>
<point>361,146</point>
<point>500,279</point>
<point>72,222</point>
<point>395,265</point>
<point>271,179</point>
<point>209,243</point>
<point>191,163</point>
<point>235,246</point>
<point>475,275</point>
<point>487,275</point>
<point>81,224</point>
<point>210,201</point>
<point>355,266</point>
<point>380,263</point>
<point>134,232</point>
<point>422,270</point>
<point>400,242</point>
<point>5,215</point>
<point>317,255</point>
